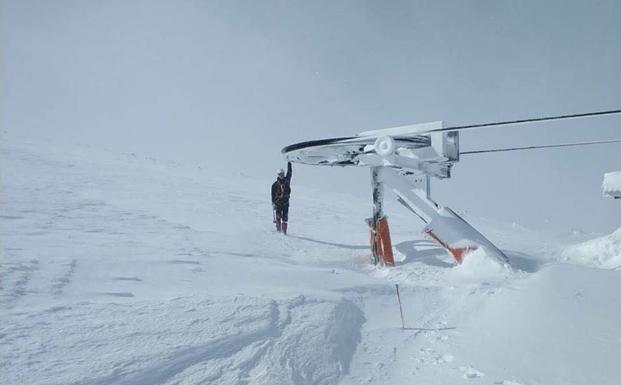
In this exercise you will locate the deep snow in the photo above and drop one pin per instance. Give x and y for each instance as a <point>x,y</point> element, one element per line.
<point>121,269</point>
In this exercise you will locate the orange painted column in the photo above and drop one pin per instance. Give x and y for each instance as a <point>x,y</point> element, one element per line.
<point>457,252</point>
<point>381,244</point>
<point>383,233</point>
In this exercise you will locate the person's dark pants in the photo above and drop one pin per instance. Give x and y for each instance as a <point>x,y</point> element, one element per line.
<point>282,213</point>
<point>282,216</point>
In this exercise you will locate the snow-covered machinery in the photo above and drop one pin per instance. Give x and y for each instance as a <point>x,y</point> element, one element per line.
<point>404,159</point>
<point>612,184</point>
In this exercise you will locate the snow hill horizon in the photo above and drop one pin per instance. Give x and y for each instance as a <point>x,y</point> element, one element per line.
<point>123,269</point>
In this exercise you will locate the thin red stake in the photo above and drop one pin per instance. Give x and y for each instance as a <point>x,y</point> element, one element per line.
<point>400,308</point>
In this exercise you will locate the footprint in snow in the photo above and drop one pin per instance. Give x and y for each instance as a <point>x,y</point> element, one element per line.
<point>469,372</point>
<point>444,359</point>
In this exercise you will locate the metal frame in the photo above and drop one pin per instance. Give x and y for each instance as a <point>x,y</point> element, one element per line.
<point>403,159</point>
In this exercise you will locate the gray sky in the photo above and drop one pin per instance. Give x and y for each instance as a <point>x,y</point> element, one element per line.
<point>231,82</point>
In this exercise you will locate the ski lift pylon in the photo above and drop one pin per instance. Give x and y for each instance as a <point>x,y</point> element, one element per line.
<point>404,159</point>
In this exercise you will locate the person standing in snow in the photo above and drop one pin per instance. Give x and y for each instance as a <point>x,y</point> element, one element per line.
<point>281,190</point>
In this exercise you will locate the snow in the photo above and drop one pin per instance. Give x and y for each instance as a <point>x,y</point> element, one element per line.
<point>405,130</point>
<point>612,184</point>
<point>227,339</point>
<point>603,252</point>
<point>480,264</point>
<point>123,269</point>
<point>563,319</point>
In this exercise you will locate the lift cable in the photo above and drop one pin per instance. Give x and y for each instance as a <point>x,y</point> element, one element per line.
<point>539,147</point>
<point>530,120</point>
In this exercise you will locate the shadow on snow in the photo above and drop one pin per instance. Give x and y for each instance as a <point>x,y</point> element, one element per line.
<point>341,245</point>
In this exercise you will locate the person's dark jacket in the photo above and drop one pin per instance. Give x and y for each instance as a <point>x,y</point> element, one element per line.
<point>281,189</point>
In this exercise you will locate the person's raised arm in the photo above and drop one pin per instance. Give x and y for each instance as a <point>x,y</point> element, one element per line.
<point>289,171</point>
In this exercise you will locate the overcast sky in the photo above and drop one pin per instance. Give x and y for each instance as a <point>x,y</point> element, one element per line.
<point>232,82</point>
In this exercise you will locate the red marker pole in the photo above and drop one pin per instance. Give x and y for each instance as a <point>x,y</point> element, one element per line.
<point>400,308</point>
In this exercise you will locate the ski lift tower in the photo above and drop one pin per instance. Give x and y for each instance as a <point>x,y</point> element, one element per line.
<point>404,160</point>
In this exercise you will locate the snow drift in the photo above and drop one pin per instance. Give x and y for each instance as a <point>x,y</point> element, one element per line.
<point>603,252</point>
<point>234,340</point>
<point>481,264</point>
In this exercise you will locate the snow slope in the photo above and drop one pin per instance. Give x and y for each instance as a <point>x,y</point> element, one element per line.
<point>121,269</point>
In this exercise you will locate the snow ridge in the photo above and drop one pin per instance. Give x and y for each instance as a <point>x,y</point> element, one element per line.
<point>240,340</point>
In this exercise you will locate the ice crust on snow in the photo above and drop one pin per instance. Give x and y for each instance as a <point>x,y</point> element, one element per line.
<point>603,252</point>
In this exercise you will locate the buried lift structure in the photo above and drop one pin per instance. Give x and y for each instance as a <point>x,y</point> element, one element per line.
<point>404,159</point>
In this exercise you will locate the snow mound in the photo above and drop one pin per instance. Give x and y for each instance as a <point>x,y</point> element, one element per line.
<point>234,340</point>
<point>612,184</point>
<point>603,252</point>
<point>479,264</point>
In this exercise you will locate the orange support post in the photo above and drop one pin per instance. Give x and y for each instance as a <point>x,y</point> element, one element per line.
<point>380,242</point>
<point>457,252</point>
